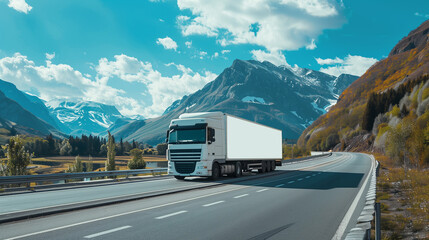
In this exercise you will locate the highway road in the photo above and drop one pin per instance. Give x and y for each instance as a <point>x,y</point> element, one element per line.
<point>304,200</point>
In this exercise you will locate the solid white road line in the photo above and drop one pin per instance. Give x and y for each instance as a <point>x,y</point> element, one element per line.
<point>343,225</point>
<point>213,203</point>
<point>107,232</point>
<point>262,190</point>
<point>291,182</point>
<point>240,196</point>
<point>171,214</point>
<point>280,185</point>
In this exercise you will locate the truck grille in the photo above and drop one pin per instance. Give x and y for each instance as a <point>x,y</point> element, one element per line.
<point>185,167</point>
<point>185,154</point>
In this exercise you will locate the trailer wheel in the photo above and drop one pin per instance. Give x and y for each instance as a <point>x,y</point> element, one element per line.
<point>273,165</point>
<point>238,170</point>
<point>179,177</point>
<point>268,166</point>
<point>263,167</point>
<point>215,171</point>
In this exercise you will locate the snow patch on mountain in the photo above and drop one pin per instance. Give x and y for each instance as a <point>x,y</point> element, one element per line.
<point>252,99</point>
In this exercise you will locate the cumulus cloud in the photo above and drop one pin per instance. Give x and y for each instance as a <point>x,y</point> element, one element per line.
<point>225,51</point>
<point>188,44</point>
<point>355,65</point>
<point>273,24</point>
<point>20,6</point>
<point>167,43</point>
<point>163,90</point>
<point>50,56</point>
<point>275,57</point>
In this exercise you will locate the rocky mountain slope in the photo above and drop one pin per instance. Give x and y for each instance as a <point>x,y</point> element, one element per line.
<point>286,98</point>
<point>391,95</point>
<point>13,115</point>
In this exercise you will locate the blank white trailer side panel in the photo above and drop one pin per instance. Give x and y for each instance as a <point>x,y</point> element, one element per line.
<point>246,140</point>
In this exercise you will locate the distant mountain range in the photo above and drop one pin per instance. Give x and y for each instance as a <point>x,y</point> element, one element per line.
<point>13,117</point>
<point>84,117</point>
<point>27,114</point>
<point>286,98</point>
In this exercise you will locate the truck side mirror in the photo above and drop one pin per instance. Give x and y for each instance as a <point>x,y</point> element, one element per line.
<point>211,135</point>
<point>168,134</point>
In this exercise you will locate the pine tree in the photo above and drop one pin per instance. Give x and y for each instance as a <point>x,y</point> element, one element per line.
<point>111,153</point>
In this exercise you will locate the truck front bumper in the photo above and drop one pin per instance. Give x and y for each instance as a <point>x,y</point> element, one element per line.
<point>188,168</point>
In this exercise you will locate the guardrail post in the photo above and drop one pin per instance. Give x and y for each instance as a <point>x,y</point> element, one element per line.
<point>377,221</point>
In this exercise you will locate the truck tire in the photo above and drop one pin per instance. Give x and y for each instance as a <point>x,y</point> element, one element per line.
<point>263,167</point>
<point>273,165</point>
<point>215,171</point>
<point>179,177</point>
<point>238,170</point>
<point>268,166</point>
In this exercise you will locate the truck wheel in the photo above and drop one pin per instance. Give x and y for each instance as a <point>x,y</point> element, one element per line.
<point>215,171</point>
<point>268,166</point>
<point>263,167</point>
<point>238,171</point>
<point>273,165</point>
<point>179,177</point>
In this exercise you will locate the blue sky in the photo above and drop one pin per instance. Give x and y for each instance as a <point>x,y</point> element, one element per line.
<point>142,55</point>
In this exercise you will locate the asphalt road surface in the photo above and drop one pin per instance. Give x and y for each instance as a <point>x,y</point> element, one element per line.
<point>304,200</point>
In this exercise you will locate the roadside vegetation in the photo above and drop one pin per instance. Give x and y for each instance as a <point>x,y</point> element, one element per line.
<point>293,151</point>
<point>404,197</point>
<point>34,155</point>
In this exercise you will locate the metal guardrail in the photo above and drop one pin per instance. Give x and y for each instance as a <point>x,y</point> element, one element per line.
<point>63,176</point>
<point>362,229</point>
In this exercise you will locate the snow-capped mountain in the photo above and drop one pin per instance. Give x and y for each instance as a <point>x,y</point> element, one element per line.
<point>286,98</point>
<point>84,117</point>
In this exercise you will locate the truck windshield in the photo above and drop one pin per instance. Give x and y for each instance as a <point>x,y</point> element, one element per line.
<point>178,136</point>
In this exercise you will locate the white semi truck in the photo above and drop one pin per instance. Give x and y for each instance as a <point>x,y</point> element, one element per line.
<point>213,144</point>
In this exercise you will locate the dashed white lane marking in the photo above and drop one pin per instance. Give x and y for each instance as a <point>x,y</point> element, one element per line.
<point>308,177</point>
<point>240,196</point>
<point>213,203</point>
<point>107,232</point>
<point>313,175</point>
<point>171,214</point>
<point>291,182</point>
<point>262,190</point>
<point>279,185</point>
<point>300,179</point>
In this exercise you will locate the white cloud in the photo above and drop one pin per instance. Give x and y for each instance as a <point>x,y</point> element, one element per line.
<point>188,44</point>
<point>226,51</point>
<point>421,15</point>
<point>276,57</point>
<point>161,20</point>
<point>50,56</point>
<point>20,6</point>
<point>273,24</point>
<point>202,54</point>
<point>167,43</point>
<point>355,65</point>
<point>163,90</point>
<point>311,46</point>
<point>215,55</point>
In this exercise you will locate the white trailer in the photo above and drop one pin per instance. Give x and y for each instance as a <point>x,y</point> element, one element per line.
<point>213,144</point>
